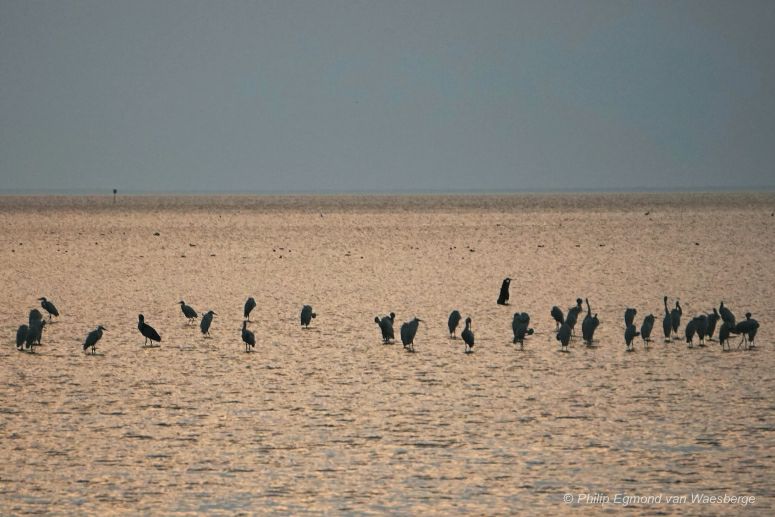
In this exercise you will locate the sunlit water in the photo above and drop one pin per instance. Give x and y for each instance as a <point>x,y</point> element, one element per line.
<point>331,420</point>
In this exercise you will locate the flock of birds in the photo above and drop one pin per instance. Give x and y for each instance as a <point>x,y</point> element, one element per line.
<point>702,326</point>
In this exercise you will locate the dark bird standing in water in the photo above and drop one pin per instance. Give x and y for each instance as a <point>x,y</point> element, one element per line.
<point>408,331</point>
<point>248,337</point>
<point>188,311</point>
<point>503,298</point>
<point>147,331</point>
<point>701,327</point>
<point>468,336</point>
<point>250,304</point>
<point>629,316</point>
<point>307,315</point>
<point>204,325</point>
<point>34,334</point>
<point>645,329</point>
<point>675,316</point>
<point>563,336</point>
<point>667,322</point>
<point>558,317</point>
<point>92,338</point>
<point>629,335</point>
<point>723,335</point>
<point>573,316</point>
<point>748,328</point>
<point>21,336</point>
<point>520,326</point>
<point>713,318</point>
<point>49,308</point>
<point>589,325</point>
<point>689,331</point>
<point>726,315</point>
<point>386,327</point>
<point>452,322</point>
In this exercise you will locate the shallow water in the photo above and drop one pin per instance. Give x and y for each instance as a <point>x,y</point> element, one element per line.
<point>328,419</point>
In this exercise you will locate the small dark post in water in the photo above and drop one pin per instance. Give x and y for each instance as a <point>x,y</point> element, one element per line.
<point>115,191</point>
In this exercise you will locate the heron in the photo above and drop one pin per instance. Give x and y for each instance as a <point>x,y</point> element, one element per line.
<point>701,327</point>
<point>630,334</point>
<point>204,325</point>
<point>503,297</point>
<point>713,318</point>
<point>558,316</point>
<point>563,336</point>
<point>188,311</point>
<point>723,335</point>
<point>748,328</point>
<point>148,332</point>
<point>92,338</point>
<point>629,316</point>
<point>573,316</point>
<point>690,331</point>
<point>307,315</point>
<point>667,323</point>
<point>49,307</point>
<point>468,336</point>
<point>35,315</point>
<point>645,329</point>
<point>248,337</point>
<point>386,327</point>
<point>34,333</point>
<point>21,336</point>
<point>675,316</point>
<point>727,316</point>
<point>589,325</point>
<point>250,304</point>
<point>408,331</point>
<point>520,326</point>
<point>452,322</point>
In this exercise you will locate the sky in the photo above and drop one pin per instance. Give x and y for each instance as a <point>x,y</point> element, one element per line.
<point>386,96</point>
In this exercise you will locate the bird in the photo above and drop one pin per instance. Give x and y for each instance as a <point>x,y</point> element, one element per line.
<point>559,318</point>
<point>727,316</point>
<point>520,326</point>
<point>723,335</point>
<point>629,316</point>
<point>589,325</point>
<point>563,336</point>
<point>452,322</point>
<point>408,331</point>
<point>573,315</point>
<point>204,325</point>
<point>689,331</point>
<point>667,323</point>
<point>92,338</point>
<point>21,336</point>
<point>713,318</point>
<point>748,328</point>
<point>468,336</point>
<point>147,331</point>
<point>503,297</point>
<point>386,327</point>
<point>248,337</point>
<point>307,315</point>
<point>188,311</point>
<point>35,315</point>
<point>645,329</point>
<point>701,327</point>
<point>629,335</point>
<point>250,304</point>
<point>675,316</point>
<point>48,307</point>
<point>34,333</point>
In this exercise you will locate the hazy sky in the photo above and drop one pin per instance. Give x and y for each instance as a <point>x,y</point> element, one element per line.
<point>267,96</point>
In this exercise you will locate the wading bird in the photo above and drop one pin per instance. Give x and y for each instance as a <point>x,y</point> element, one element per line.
<point>92,338</point>
<point>713,318</point>
<point>204,325</point>
<point>645,329</point>
<point>675,316</point>
<point>520,326</point>
<point>701,327</point>
<point>408,331</point>
<point>503,297</point>
<point>573,316</point>
<point>250,304</point>
<point>386,327</point>
<point>468,337</point>
<point>248,337</point>
<point>188,311</point>
<point>629,316</point>
<point>563,336</point>
<point>48,307</point>
<point>748,328</point>
<point>558,317</point>
<point>727,316</point>
<point>452,322</point>
<point>21,336</point>
<point>723,335</point>
<point>148,332</point>
<point>589,325</point>
<point>629,335</point>
<point>307,315</point>
<point>689,331</point>
<point>667,323</point>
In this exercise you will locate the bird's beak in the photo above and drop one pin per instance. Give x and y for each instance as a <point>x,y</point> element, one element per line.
<point>215,313</point>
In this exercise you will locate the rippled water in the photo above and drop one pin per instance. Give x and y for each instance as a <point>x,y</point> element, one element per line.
<point>329,419</point>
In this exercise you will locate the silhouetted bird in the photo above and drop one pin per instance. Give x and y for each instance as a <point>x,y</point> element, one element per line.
<point>701,327</point>
<point>645,329</point>
<point>589,325</point>
<point>630,334</point>
<point>386,327</point>
<point>248,337</point>
<point>408,331</point>
<point>675,317</point>
<point>667,322</point>
<point>92,338</point>
<point>503,297</point>
<point>748,328</point>
<point>726,315</point>
<point>204,325</point>
<point>453,321</point>
<point>573,316</point>
<point>563,336</point>
<point>713,318</point>
<point>49,308</point>
<point>723,335</point>
<point>307,315</point>
<point>188,311</point>
<point>147,331</point>
<point>689,331</point>
<point>35,332</point>
<point>468,336</point>
<point>21,336</point>
<point>558,317</point>
<point>35,315</point>
<point>249,306</point>
<point>629,316</point>
<point>520,327</point>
